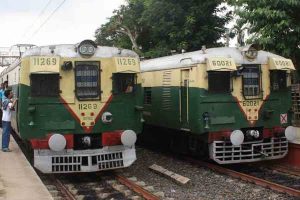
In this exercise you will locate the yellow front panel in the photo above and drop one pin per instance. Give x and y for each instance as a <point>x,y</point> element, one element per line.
<point>251,107</point>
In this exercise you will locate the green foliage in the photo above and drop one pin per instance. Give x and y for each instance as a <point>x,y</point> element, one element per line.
<point>159,26</point>
<point>274,24</point>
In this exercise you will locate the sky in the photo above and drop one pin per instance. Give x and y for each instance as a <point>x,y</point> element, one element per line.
<point>25,21</point>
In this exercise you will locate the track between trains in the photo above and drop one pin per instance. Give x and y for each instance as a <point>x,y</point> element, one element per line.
<point>248,178</point>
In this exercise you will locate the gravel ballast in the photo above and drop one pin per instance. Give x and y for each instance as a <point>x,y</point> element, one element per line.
<point>204,184</point>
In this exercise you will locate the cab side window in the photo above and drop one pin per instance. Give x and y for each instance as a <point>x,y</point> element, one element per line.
<point>278,80</point>
<point>123,83</point>
<point>218,82</point>
<point>44,85</point>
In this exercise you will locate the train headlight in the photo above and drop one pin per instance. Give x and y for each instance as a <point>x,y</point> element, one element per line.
<point>57,142</point>
<point>86,141</point>
<point>87,48</point>
<point>290,133</point>
<point>237,137</point>
<point>128,138</point>
<point>253,133</point>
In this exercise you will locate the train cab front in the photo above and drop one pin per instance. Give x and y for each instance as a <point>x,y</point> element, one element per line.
<point>256,124</point>
<point>82,114</point>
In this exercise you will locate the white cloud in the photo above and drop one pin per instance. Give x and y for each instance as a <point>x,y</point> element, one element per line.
<point>75,21</point>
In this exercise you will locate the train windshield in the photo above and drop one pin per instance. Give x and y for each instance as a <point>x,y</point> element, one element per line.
<point>124,83</point>
<point>87,80</point>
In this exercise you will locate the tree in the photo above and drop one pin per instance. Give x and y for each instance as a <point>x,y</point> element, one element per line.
<point>159,26</point>
<point>274,24</point>
<point>124,22</point>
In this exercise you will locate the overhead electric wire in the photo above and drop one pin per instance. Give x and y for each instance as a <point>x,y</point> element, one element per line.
<point>36,19</point>
<point>55,10</point>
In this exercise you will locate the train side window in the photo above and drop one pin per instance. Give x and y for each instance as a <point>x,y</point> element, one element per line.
<point>147,95</point>
<point>87,80</point>
<point>278,79</point>
<point>124,83</point>
<point>218,81</point>
<point>251,81</point>
<point>44,85</point>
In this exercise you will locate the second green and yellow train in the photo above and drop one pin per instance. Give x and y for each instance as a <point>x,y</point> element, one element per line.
<point>233,104</point>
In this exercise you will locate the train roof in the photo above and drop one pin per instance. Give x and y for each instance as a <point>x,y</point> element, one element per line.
<point>198,57</point>
<point>69,50</point>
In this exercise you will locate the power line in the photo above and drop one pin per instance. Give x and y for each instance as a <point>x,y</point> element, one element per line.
<point>40,14</point>
<point>56,9</point>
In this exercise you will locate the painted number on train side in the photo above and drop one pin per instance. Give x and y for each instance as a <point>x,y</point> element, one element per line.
<point>42,61</point>
<point>87,106</point>
<point>251,103</point>
<point>126,61</point>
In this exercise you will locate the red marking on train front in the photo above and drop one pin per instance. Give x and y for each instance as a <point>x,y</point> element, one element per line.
<point>87,129</point>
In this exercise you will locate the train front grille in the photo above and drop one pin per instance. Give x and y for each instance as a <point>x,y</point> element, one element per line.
<point>75,163</point>
<point>223,152</point>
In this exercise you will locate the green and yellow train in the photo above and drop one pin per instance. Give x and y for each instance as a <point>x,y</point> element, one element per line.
<point>232,104</point>
<point>79,106</point>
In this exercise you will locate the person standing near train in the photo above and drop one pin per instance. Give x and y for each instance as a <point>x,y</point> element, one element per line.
<point>7,107</point>
<point>1,96</point>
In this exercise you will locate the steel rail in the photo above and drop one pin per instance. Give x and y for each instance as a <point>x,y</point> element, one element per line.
<point>138,189</point>
<point>285,169</point>
<point>248,178</point>
<point>62,188</point>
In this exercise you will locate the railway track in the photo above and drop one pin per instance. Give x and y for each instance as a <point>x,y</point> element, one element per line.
<point>284,169</point>
<point>101,185</point>
<point>249,178</point>
<point>110,186</point>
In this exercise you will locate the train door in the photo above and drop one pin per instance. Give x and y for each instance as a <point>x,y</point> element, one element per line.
<point>184,98</point>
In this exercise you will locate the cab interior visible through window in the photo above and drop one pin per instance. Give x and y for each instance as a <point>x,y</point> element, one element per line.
<point>44,85</point>
<point>219,81</point>
<point>124,83</point>
<point>278,79</point>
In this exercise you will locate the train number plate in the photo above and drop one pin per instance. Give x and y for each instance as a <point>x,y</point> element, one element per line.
<point>44,64</point>
<point>44,61</point>
<point>250,103</point>
<point>126,61</point>
<point>87,106</point>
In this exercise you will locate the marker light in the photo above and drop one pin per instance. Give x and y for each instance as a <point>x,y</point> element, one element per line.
<point>128,138</point>
<point>237,137</point>
<point>290,133</point>
<point>57,142</point>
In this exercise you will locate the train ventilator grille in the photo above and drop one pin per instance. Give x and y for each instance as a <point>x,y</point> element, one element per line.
<point>223,152</point>
<point>82,160</point>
